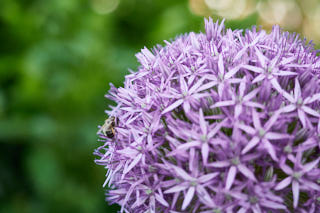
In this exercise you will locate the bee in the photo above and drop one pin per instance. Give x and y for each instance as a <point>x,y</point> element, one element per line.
<point>108,127</point>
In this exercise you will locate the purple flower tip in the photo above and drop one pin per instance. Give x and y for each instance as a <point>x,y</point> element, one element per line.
<point>221,121</point>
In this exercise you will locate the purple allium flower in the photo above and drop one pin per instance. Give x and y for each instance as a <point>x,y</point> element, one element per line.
<point>221,121</point>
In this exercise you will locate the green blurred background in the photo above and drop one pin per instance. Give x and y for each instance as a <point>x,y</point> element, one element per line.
<point>57,58</point>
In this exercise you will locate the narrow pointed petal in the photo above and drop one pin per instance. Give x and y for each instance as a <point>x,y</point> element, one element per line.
<point>161,200</point>
<point>205,152</point>
<point>295,192</point>
<point>207,86</point>
<point>237,110</point>
<point>133,163</point>
<point>261,57</point>
<point>297,89</point>
<point>246,172</point>
<point>289,108</point>
<point>204,196</point>
<point>203,124</point>
<point>315,97</point>
<point>188,197</point>
<point>276,136</point>
<point>254,104</point>
<point>221,65</point>
<point>256,119</point>
<point>172,106</point>
<point>284,183</point>
<point>231,72</point>
<point>258,78</point>
<point>230,178</point>
<point>309,166</point>
<point>242,87</point>
<point>277,86</point>
<point>223,104</point>
<point>188,145</point>
<point>247,129</point>
<point>180,172</point>
<point>219,164</point>
<point>270,149</point>
<point>310,111</point>
<point>272,120</point>
<point>252,143</point>
<point>272,204</point>
<point>253,68</point>
<point>176,188</point>
<point>302,117</point>
<point>207,177</point>
<point>285,73</point>
<point>251,94</point>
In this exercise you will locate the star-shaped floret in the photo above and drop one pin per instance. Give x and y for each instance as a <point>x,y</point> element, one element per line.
<point>297,176</point>
<point>298,103</point>
<point>262,134</point>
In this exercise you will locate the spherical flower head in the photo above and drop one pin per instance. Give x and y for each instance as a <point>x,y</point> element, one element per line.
<point>221,121</point>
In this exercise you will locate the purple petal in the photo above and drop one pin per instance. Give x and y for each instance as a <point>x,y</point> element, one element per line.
<point>270,149</point>
<point>295,192</point>
<point>203,124</point>
<point>188,197</point>
<point>133,163</point>
<point>220,65</point>
<point>289,108</point>
<point>246,172</point>
<point>177,188</point>
<point>252,143</point>
<point>285,73</point>
<point>272,120</point>
<point>309,166</point>
<point>161,200</point>
<point>258,78</point>
<point>315,97</point>
<point>172,106</point>
<point>310,111</point>
<point>253,68</point>
<point>231,72</point>
<point>223,103</point>
<point>276,136</point>
<point>247,129</point>
<point>205,152</point>
<point>207,86</point>
<point>272,204</point>
<point>261,57</point>
<point>219,164</point>
<point>230,178</point>
<point>180,172</point>
<point>284,183</point>
<point>207,177</point>
<point>302,117</point>
<point>297,90</point>
<point>204,196</point>
<point>256,119</point>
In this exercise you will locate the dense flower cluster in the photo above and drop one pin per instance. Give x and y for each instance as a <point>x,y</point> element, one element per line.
<point>221,121</point>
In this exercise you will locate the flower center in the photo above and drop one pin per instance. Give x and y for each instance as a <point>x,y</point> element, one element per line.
<point>299,102</point>
<point>288,149</point>
<point>235,161</point>
<point>296,175</point>
<point>193,183</point>
<point>148,191</point>
<point>203,138</point>
<point>216,211</point>
<point>253,199</point>
<point>261,132</point>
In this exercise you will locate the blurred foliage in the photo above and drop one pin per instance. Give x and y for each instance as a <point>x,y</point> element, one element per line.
<point>56,61</point>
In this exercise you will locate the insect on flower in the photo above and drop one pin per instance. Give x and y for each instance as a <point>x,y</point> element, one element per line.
<point>108,127</point>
